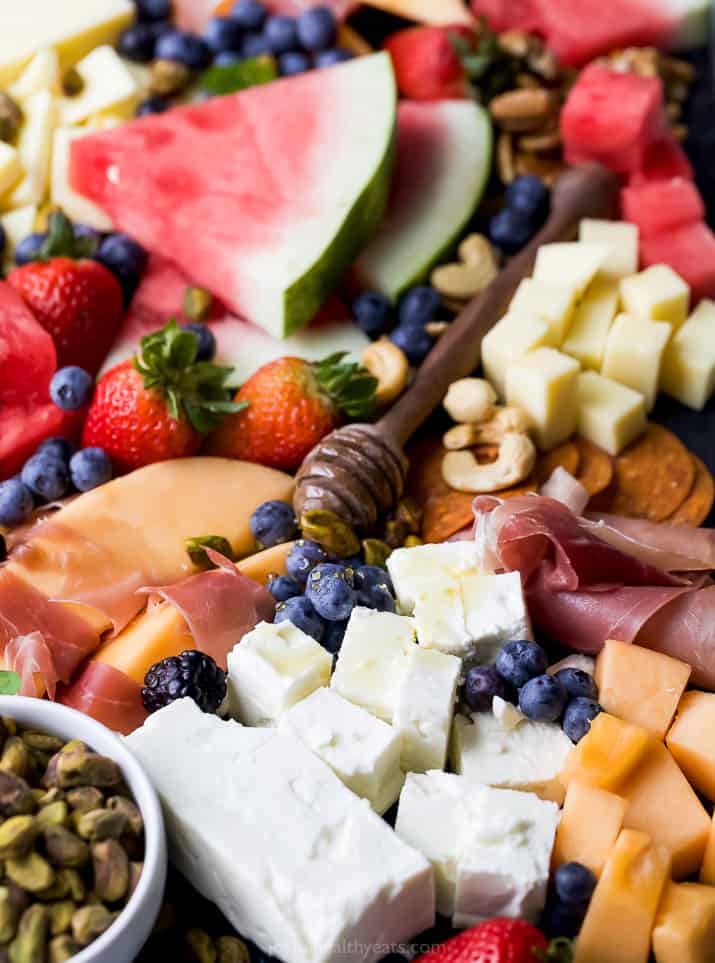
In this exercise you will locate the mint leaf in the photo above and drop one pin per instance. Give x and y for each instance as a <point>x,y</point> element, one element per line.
<point>234,77</point>
<point>10,683</point>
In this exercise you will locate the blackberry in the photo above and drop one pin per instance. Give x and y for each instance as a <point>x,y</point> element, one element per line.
<point>193,675</point>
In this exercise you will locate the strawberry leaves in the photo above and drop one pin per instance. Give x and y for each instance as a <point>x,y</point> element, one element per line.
<point>350,387</point>
<point>61,240</point>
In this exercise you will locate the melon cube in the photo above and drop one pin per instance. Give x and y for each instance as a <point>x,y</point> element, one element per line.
<point>76,207</point>
<point>707,868</point>
<point>157,633</point>
<point>42,73</point>
<point>544,384</point>
<point>17,225</point>
<point>664,158</point>
<point>684,929</point>
<point>661,206</point>
<point>656,294</point>
<point>554,303</point>
<point>107,82</point>
<point>10,166</point>
<point>688,371</point>
<point>609,414</point>
<point>575,262</point>
<point>691,743</point>
<point>590,823</point>
<point>509,340</point>
<point>639,685</point>
<point>634,354</point>
<point>608,753</point>
<point>622,241</point>
<point>591,323</point>
<point>34,146</point>
<point>690,251</point>
<point>620,917</point>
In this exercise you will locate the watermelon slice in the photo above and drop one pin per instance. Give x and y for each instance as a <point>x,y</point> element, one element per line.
<point>24,426</point>
<point>665,158</point>
<point>264,197</point>
<point>690,251</point>
<point>27,352</point>
<point>660,206</point>
<point>444,155</point>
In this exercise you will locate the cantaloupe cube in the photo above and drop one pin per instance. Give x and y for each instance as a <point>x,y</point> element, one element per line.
<point>609,414</point>
<point>620,918</point>
<point>571,262</point>
<point>707,869</point>
<point>155,634</point>
<point>688,371</point>
<point>590,823</point>
<point>509,340</point>
<point>607,754</point>
<point>639,685</point>
<point>591,323</point>
<point>622,241</point>
<point>691,740</point>
<point>656,294</point>
<point>662,803</point>
<point>684,929</point>
<point>554,303</point>
<point>633,354</point>
<point>544,384</point>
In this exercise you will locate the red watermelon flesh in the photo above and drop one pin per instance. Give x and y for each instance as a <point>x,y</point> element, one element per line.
<point>27,353</point>
<point>660,206</point>
<point>690,251</point>
<point>24,426</point>
<point>665,158</point>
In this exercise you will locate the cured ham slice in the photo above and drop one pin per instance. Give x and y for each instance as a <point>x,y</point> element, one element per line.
<point>107,695</point>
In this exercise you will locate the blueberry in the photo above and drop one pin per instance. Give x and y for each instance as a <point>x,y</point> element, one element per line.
<point>137,43</point>
<point>369,576</point>
<point>510,230</point>
<point>371,311</point>
<point>574,884</point>
<point>29,248</point>
<point>481,684</point>
<point>303,557</point>
<point>58,447</point>
<point>153,9</point>
<point>333,636</point>
<point>281,34</point>
<point>255,44</point>
<point>250,14</point>
<point>419,306</point>
<point>336,55</point>
<point>84,230</point>
<point>577,717</point>
<point>207,341</point>
<point>283,587</point>
<point>330,592</point>
<point>16,502</point>
<point>3,240</point>
<point>529,194</point>
<point>577,683</point>
<point>71,388</point>
<point>299,610</point>
<point>185,48</point>
<point>317,29</point>
<point>542,699</point>
<point>521,660</point>
<point>415,342</point>
<point>293,62</point>
<point>152,105</point>
<point>273,523</point>
<point>46,476</point>
<point>124,258</point>
<point>90,468</point>
<point>223,33</point>
<point>228,58</point>
<point>560,919</point>
<point>377,597</point>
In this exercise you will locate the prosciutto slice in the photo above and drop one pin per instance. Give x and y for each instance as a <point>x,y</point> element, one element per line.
<point>107,695</point>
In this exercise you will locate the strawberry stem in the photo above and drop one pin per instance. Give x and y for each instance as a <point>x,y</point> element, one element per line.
<point>350,387</point>
<point>61,240</point>
<point>559,950</point>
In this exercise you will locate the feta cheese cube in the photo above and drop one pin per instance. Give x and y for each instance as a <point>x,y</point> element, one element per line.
<point>17,225</point>
<point>528,757</point>
<point>553,302</point>
<point>656,294</point>
<point>76,207</point>
<point>10,166</point>
<point>508,340</point>
<point>591,323</point>
<point>362,751</point>
<point>274,666</point>
<point>425,707</point>
<point>634,354</point>
<point>507,714</point>
<point>264,829</point>
<point>495,611</point>
<point>544,384</point>
<point>34,147</point>
<point>575,263</point>
<point>372,660</point>
<point>622,241</point>
<point>107,81</point>
<point>414,570</point>
<point>688,372</point>
<point>609,414</point>
<point>42,73</point>
<point>440,618</point>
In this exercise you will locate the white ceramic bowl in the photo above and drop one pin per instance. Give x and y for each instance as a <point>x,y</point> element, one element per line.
<point>126,936</point>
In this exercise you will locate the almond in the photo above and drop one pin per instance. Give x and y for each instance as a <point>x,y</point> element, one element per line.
<point>524,110</point>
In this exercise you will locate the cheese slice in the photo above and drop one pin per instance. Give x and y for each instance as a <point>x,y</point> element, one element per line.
<point>633,354</point>
<point>656,294</point>
<point>42,73</point>
<point>622,241</point>
<point>688,372</point>
<point>17,225</point>
<point>10,167</point>
<point>107,83</point>
<point>571,262</point>
<point>553,302</point>
<point>544,384</point>
<point>591,323</point>
<point>34,147</point>
<point>609,414</point>
<point>509,340</point>
<point>684,929</point>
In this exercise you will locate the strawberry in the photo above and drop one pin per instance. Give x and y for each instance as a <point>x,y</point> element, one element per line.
<point>499,941</point>
<point>292,404</point>
<point>427,65</point>
<point>159,404</point>
<point>76,300</point>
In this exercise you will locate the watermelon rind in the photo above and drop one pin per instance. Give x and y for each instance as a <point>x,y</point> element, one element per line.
<point>426,228</point>
<point>693,23</point>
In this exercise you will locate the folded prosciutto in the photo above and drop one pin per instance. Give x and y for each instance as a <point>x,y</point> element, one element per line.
<point>108,695</point>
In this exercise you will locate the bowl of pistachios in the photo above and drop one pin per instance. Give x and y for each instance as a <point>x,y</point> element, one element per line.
<point>82,844</point>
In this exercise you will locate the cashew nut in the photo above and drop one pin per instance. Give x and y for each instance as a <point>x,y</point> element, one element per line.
<point>460,437</point>
<point>470,400</point>
<point>463,281</point>
<point>389,364</point>
<point>516,459</point>
<point>476,248</point>
<point>489,432</point>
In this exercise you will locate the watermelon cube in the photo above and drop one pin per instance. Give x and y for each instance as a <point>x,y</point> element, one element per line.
<point>27,352</point>
<point>664,158</point>
<point>690,251</point>
<point>613,118</point>
<point>659,206</point>
<point>24,426</point>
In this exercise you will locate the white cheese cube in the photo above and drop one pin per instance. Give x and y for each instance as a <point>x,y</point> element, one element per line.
<point>372,660</point>
<point>656,294</point>
<point>552,302</point>
<point>506,713</point>
<point>591,323</point>
<point>440,618</point>
<point>634,354</point>
<point>10,167</point>
<point>34,146</point>
<point>76,207</point>
<point>572,263</point>
<point>413,570</point>
<point>583,662</point>
<point>42,73</point>
<point>622,240</point>
<point>362,751</point>
<point>107,83</point>
<point>17,225</point>
<point>508,340</point>
<point>495,612</point>
<point>688,372</point>
<point>264,829</point>
<point>528,757</point>
<point>425,708</point>
<point>544,384</point>
<point>274,666</point>
<point>609,414</point>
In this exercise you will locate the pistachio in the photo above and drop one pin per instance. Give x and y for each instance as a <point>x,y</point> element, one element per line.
<point>55,814</point>
<point>61,914</point>
<point>396,531</point>
<point>85,798</point>
<point>101,824</point>
<point>111,870</point>
<point>30,944</point>
<point>330,531</point>
<point>201,946</point>
<point>9,727</point>
<point>131,811</point>
<point>229,949</point>
<point>16,757</point>
<point>521,111</point>
<point>409,512</point>
<point>196,549</point>
<point>15,795</point>
<point>62,948</point>
<point>10,914</point>
<point>58,888</point>
<point>74,886</point>
<point>135,871</point>
<point>133,846</point>
<point>10,117</point>
<point>17,836</point>
<point>197,303</point>
<point>75,745</point>
<point>376,552</point>
<point>89,922</point>
<point>31,872</point>
<point>64,849</point>
<point>169,77</point>
<point>412,541</point>
<point>82,768</point>
<point>42,742</point>
<point>49,797</point>
<point>72,83</point>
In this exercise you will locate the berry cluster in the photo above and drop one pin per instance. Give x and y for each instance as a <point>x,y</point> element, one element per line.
<point>526,207</point>
<point>372,312</point>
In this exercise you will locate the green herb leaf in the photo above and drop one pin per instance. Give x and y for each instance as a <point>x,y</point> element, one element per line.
<point>10,683</point>
<point>234,77</point>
